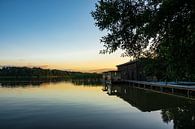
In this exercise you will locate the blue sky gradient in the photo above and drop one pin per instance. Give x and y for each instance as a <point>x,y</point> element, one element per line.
<point>52,33</point>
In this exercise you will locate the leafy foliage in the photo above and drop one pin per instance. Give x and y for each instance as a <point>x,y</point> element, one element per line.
<point>164,29</point>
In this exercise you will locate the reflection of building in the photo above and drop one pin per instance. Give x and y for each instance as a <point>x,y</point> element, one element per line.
<point>178,110</point>
<point>131,71</point>
<point>146,101</point>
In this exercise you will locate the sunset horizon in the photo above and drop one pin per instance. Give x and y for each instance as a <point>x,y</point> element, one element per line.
<point>97,64</point>
<point>53,35</point>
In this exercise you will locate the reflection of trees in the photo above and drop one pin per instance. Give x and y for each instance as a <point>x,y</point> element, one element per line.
<point>179,110</point>
<point>86,82</point>
<point>182,117</point>
<point>24,82</point>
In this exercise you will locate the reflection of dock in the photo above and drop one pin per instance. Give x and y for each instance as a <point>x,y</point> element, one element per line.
<point>145,100</point>
<point>178,110</point>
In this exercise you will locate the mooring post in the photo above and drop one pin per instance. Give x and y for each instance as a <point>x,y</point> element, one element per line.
<point>161,89</point>
<point>172,91</point>
<point>188,93</point>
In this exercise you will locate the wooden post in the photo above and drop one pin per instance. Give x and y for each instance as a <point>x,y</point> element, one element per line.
<point>172,90</point>
<point>188,93</point>
<point>125,91</point>
<point>161,89</point>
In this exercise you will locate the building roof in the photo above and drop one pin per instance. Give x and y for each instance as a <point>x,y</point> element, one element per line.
<point>112,71</point>
<point>127,63</point>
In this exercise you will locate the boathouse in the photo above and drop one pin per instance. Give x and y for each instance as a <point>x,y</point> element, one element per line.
<point>131,73</point>
<point>111,76</point>
<point>131,70</point>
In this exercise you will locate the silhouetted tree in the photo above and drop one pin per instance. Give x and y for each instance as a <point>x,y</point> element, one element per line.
<point>163,28</point>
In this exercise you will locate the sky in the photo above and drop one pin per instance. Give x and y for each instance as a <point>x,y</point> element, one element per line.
<point>55,34</point>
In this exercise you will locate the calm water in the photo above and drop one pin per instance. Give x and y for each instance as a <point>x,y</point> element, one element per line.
<point>73,105</point>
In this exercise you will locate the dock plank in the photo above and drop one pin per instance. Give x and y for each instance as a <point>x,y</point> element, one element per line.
<point>184,87</point>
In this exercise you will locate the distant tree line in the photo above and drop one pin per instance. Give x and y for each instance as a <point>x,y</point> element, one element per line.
<point>161,32</point>
<point>30,72</point>
<point>26,72</point>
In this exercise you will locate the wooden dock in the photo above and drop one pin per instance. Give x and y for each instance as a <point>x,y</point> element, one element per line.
<point>186,89</point>
<point>167,88</point>
<point>157,84</point>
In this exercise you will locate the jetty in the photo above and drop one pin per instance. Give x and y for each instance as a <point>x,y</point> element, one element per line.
<point>161,87</point>
<point>128,75</point>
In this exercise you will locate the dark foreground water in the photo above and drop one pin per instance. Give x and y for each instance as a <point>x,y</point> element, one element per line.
<point>68,105</point>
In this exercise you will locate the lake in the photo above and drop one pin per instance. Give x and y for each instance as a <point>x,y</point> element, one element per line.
<point>78,105</point>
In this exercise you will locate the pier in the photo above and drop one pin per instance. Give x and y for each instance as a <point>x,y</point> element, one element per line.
<point>181,89</point>
<point>161,87</point>
<point>130,74</point>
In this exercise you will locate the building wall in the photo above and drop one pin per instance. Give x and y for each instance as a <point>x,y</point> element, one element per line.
<point>131,71</point>
<point>111,75</point>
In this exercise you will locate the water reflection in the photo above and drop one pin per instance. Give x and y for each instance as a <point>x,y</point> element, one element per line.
<point>86,82</point>
<point>62,103</point>
<point>14,82</point>
<point>179,110</point>
<point>25,82</point>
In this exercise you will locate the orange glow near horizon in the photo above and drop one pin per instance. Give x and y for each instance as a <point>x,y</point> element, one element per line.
<point>97,64</point>
<point>62,37</point>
